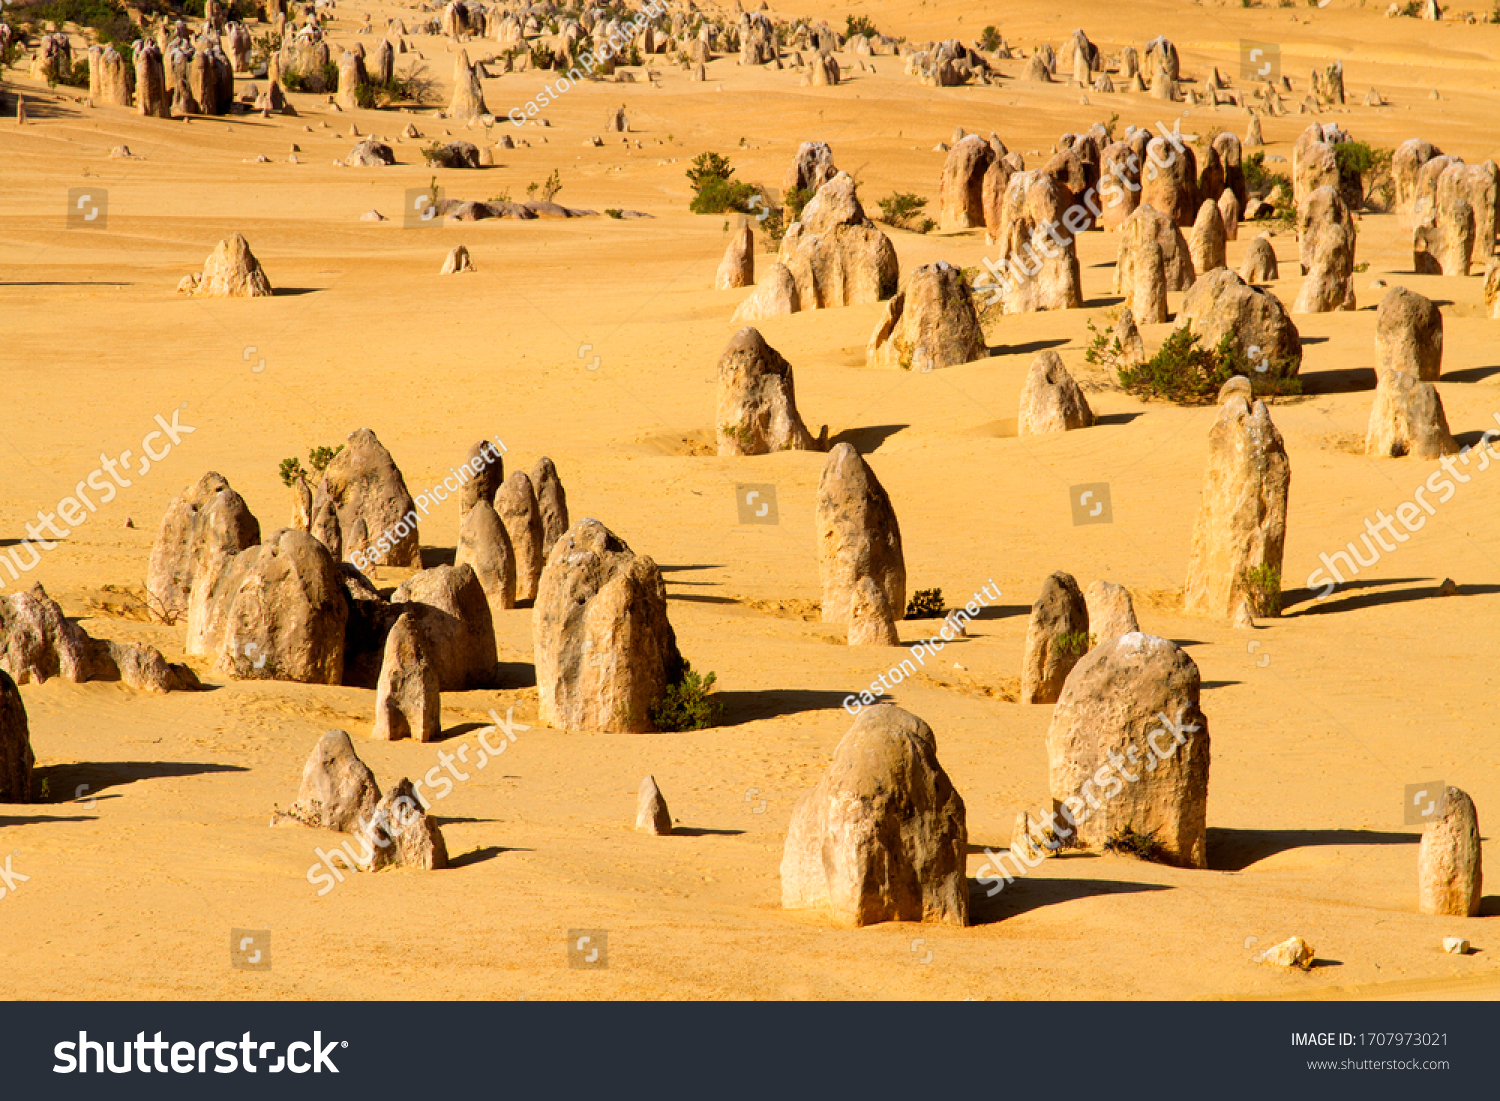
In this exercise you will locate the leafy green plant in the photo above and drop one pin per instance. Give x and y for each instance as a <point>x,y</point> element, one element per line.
<point>715,191</point>
<point>1074,643</point>
<point>1127,841</point>
<point>75,77</point>
<point>859,24</point>
<point>325,78</point>
<point>414,86</point>
<point>542,56</point>
<point>1366,169</point>
<point>1275,186</point>
<point>925,604</point>
<point>108,19</point>
<point>706,167</point>
<point>989,41</point>
<point>318,459</point>
<point>1104,350</point>
<point>686,704</point>
<point>903,209</point>
<point>1182,371</point>
<point>548,188</point>
<point>614,212</point>
<point>740,432</point>
<point>1263,590</point>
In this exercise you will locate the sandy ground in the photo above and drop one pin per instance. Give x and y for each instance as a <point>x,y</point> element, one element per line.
<point>1317,721</point>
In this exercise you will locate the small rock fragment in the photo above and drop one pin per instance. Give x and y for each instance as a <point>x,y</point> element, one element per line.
<point>651,814</point>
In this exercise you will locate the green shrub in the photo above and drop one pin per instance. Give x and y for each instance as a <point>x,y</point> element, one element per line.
<point>318,459</point>
<point>77,78</point>
<point>414,86</point>
<point>1180,371</point>
<point>925,604</point>
<point>1074,643</point>
<point>1127,842</point>
<point>706,167</point>
<point>542,56</point>
<point>1184,372</point>
<point>903,209</point>
<point>548,188</point>
<point>780,218</point>
<point>1366,170</point>
<point>1263,589</point>
<point>323,79</point>
<point>686,704</point>
<point>859,24</point>
<point>719,194</point>
<point>106,18</point>
<point>989,41</point>
<point>614,212</point>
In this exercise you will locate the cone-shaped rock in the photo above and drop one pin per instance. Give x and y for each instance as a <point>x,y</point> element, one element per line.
<point>1057,636</point>
<point>407,704</point>
<point>651,814</point>
<point>883,835</point>
<point>757,404</point>
<point>858,536</point>
<point>1129,747</point>
<point>1241,524</point>
<point>338,789</point>
<point>605,651</point>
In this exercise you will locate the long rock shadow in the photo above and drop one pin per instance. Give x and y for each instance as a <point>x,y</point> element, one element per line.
<point>1399,596</point>
<point>39,819</point>
<point>867,439</point>
<point>771,703</point>
<point>1290,597</point>
<point>1031,347</point>
<point>1235,850</point>
<point>1470,374</point>
<point>1345,380</point>
<point>479,856</point>
<point>100,775</point>
<point>1033,894</point>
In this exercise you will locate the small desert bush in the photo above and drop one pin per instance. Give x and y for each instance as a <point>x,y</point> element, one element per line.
<point>686,704</point>
<point>106,18</point>
<point>548,188</point>
<point>715,191</point>
<point>1371,166</point>
<point>925,604</point>
<point>414,86</point>
<point>859,24</point>
<point>1263,590</point>
<point>1125,841</point>
<point>1183,371</point>
<point>325,78</point>
<point>78,77</point>
<point>903,209</point>
<point>780,218</point>
<point>318,459</point>
<point>1074,643</point>
<point>989,41</point>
